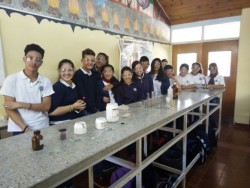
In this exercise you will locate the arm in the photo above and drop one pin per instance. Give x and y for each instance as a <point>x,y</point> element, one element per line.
<point>13,113</point>
<point>39,107</point>
<point>164,86</point>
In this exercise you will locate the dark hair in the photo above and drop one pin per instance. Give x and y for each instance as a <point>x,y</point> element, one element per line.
<point>64,61</point>
<point>121,84</point>
<point>160,74</point>
<point>184,65</point>
<point>214,65</point>
<point>105,55</point>
<point>34,47</point>
<point>166,67</point>
<point>107,65</point>
<point>133,67</point>
<point>144,58</point>
<point>197,63</point>
<point>135,63</point>
<point>87,52</point>
<point>164,60</point>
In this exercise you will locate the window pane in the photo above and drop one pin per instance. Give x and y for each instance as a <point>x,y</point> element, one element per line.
<point>188,58</point>
<point>223,61</point>
<point>218,31</point>
<point>187,34</point>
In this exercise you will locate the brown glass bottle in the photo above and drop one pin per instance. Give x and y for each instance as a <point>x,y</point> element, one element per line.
<point>36,141</point>
<point>175,91</point>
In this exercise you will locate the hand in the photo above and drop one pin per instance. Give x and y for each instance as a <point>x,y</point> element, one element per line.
<point>11,105</point>
<point>106,99</point>
<point>108,87</point>
<point>79,105</point>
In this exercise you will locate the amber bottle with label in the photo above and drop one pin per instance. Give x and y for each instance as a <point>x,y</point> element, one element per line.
<point>175,91</point>
<point>36,145</point>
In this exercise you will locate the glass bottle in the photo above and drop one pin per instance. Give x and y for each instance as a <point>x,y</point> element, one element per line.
<point>175,91</point>
<point>36,141</point>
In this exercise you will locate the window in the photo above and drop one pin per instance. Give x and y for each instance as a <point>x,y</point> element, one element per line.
<point>188,58</point>
<point>219,31</point>
<point>187,34</point>
<point>223,61</point>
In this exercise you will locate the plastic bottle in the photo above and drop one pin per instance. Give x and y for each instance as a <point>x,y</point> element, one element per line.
<point>112,112</point>
<point>175,91</point>
<point>36,141</point>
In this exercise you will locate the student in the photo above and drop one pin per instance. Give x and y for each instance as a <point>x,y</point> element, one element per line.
<point>145,63</point>
<point>65,103</point>
<point>214,80</point>
<point>164,62</point>
<point>27,94</point>
<point>161,83</point>
<point>184,78</point>
<point>86,81</point>
<point>101,60</point>
<point>145,80</point>
<point>198,77</point>
<point>128,91</point>
<point>106,87</point>
<point>169,73</point>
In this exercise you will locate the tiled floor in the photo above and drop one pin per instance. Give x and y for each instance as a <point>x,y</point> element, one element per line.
<point>228,165</point>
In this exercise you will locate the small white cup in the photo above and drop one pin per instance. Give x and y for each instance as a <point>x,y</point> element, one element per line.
<point>100,123</point>
<point>80,127</point>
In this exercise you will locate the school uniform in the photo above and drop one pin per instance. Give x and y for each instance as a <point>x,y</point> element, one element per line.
<point>103,93</point>
<point>64,95</point>
<point>126,94</point>
<point>146,82</point>
<point>185,80</point>
<point>86,84</point>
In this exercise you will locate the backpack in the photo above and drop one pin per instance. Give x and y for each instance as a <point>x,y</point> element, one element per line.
<point>118,173</point>
<point>149,177</point>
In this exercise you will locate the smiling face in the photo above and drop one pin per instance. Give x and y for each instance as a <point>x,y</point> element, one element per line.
<point>195,69</point>
<point>107,73</point>
<point>100,61</point>
<point>66,72</point>
<point>138,70</point>
<point>88,62</point>
<point>127,76</point>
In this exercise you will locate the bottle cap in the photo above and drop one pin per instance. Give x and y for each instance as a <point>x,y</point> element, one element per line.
<point>37,132</point>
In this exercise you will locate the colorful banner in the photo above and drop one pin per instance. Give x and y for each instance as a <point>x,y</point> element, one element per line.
<point>134,19</point>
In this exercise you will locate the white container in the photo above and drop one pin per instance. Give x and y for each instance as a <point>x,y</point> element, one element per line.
<point>80,127</point>
<point>112,112</point>
<point>100,123</point>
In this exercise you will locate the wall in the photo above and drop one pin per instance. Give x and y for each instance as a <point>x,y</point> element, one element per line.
<point>59,41</point>
<point>242,105</point>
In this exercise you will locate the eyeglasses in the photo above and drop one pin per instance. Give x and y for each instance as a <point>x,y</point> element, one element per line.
<point>34,59</point>
<point>127,75</point>
<point>89,60</point>
<point>69,70</point>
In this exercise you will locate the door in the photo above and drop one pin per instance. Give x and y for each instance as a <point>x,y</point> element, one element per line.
<point>203,50</point>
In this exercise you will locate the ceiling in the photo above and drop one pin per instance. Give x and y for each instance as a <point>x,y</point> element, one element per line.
<point>185,11</point>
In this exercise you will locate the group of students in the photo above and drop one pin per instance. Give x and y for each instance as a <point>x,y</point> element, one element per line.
<point>32,102</point>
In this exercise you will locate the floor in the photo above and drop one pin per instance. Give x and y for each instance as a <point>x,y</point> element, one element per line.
<point>228,165</point>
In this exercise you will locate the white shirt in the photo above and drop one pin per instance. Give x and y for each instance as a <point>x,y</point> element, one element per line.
<point>186,80</point>
<point>198,78</point>
<point>157,86</point>
<point>218,80</point>
<point>20,87</point>
<point>111,95</point>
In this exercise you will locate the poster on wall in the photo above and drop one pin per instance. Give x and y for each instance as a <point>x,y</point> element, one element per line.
<point>132,50</point>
